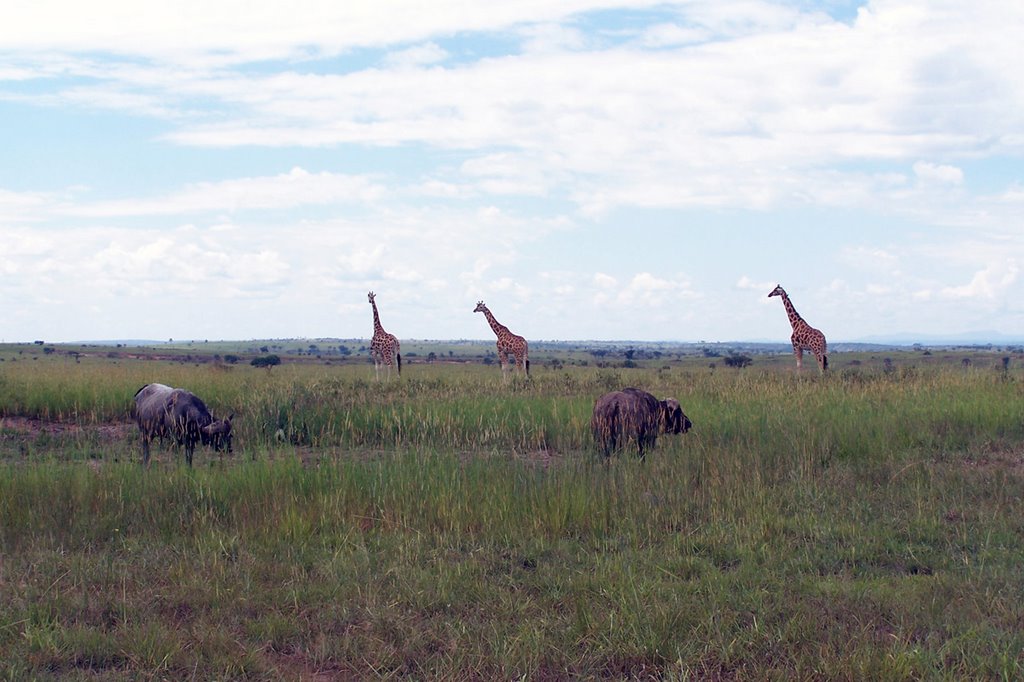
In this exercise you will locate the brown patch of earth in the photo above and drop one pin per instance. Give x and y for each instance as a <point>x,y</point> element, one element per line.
<point>125,432</point>
<point>543,457</point>
<point>293,664</point>
<point>311,456</point>
<point>1012,459</point>
<point>33,428</point>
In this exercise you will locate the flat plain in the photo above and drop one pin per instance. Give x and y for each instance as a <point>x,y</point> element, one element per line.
<point>866,524</point>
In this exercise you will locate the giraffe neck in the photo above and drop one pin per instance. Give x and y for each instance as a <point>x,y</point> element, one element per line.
<point>794,317</point>
<point>377,328</point>
<point>496,326</point>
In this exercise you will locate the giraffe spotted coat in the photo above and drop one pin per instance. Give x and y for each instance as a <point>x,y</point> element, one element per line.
<point>805,337</point>
<point>384,347</point>
<point>508,343</point>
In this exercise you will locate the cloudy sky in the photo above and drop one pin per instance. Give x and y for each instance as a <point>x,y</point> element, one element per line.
<point>592,169</point>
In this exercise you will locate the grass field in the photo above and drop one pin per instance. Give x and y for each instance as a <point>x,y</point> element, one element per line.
<point>868,524</point>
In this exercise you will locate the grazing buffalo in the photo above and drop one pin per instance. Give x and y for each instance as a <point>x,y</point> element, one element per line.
<point>637,415</point>
<point>165,412</point>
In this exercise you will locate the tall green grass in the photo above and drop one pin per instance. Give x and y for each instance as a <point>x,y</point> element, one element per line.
<point>864,525</point>
<point>469,408</point>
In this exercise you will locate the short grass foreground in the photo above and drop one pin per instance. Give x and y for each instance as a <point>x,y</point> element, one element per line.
<point>863,525</point>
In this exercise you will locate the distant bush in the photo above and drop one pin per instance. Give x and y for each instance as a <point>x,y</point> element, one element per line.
<point>267,361</point>
<point>737,360</point>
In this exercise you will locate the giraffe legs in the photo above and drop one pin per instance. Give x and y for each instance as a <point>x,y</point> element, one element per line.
<point>511,362</point>
<point>819,357</point>
<point>377,364</point>
<point>525,364</point>
<point>822,361</point>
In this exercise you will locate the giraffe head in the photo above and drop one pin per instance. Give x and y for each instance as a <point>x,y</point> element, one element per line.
<point>480,307</point>
<point>777,291</point>
<point>370,296</point>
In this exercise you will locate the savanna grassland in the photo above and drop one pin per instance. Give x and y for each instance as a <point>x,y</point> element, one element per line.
<point>868,524</point>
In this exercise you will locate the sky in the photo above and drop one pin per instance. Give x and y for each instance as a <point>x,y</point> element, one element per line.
<point>591,169</point>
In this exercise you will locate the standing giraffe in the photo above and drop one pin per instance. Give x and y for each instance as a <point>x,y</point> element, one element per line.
<point>384,347</point>
<point>804,335</point>
<point>508,343</point>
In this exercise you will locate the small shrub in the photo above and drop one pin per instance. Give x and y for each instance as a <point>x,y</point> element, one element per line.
<point>737,360</point>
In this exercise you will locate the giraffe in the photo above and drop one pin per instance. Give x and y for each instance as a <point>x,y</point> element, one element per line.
<point>508,343</point>
<point>804,335</point>
<point>384,347</point>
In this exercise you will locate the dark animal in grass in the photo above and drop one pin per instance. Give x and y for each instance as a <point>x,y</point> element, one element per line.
<point>165,412</point>
<point>632,414</point>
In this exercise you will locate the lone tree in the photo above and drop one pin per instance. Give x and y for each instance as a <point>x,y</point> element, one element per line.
<point>737,360</point>
<point>267,361</point>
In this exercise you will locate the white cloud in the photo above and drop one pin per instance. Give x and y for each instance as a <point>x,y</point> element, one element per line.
<point>420,55</point>
<point>289,190</point>
<point>614,124</point>
<point>234,31</point>
<point>938,174</point>
<point>440,189</point>
<point>988,283</point>
<point>185,262</point>
<point>667,35</point>
<point>541,38</point>
<point>1013,196</point>
<point>514,174</point>
<point>449,146</point>
<point>747,284</point>
<point>648,290</point>
<point>922,295</point>
<point>13,73</point>
<point>21,246</point>
<point>871,259</point>
<point>837,285</point>
<point>22,206</point>
<point>303,270</point>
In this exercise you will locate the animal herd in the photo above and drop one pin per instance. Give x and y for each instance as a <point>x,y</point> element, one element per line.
<point>162,412</point>
<point>618,417</point>
<point>513,350</point>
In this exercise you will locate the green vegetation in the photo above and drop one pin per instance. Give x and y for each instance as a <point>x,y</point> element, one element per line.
<point>863,525</point>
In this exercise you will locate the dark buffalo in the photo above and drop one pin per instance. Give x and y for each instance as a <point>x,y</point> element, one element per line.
<point>636,415</point>
<point>165,412</point>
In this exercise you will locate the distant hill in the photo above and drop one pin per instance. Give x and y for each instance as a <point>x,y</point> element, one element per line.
<point>868,343</point>
<point>972,338</point>
<point>115,342</point>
